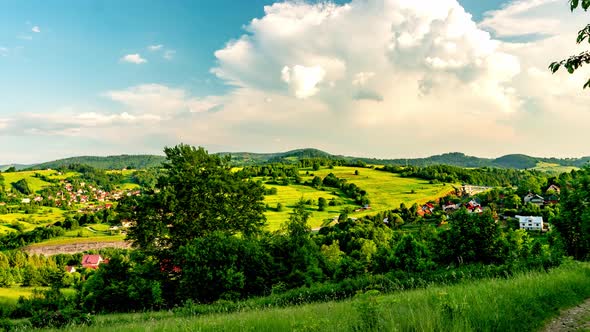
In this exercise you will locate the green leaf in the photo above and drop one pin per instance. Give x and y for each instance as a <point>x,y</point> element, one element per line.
<point>587,85</point>
<point>554,67</point>
<point>574,4</point>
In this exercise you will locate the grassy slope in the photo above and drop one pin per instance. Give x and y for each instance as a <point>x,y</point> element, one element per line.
<point>289,195</point>
<point>47,215</point>
<point>35,184</point>
<point>9,296</point>
<point>554,169</point>
<point>523,303</point>
<point>90,233</point>
<point>386,192</point>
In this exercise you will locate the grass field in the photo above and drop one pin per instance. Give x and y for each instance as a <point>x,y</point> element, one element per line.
<point>46,215</point>
<point>386,191</point>
<point>74,239</point>
<point>9,296</point>
<point>523,303</point>
<point>35,184</point>
<point>290,195</point>
<point>554,168</point>
<point>127,183</point>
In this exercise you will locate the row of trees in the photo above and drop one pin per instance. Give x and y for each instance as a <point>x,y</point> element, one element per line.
<point>525,180</point>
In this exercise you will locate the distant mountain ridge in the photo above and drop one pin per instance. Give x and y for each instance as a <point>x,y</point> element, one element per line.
<point>518,161</point>
<point>109,162</point>
<point>17,166</point>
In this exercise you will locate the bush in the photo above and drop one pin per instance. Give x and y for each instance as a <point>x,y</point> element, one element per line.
<point>60,318</point>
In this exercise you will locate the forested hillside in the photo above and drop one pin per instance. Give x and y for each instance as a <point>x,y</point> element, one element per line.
<point>110,162</point>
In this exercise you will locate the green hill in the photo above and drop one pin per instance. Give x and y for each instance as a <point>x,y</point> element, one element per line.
<point>18,167</point>
<point>110,162</point>
<point>519,161</point>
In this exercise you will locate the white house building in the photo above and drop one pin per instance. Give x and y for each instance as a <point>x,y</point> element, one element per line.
<point>530,223</point>
<point>534,199</point>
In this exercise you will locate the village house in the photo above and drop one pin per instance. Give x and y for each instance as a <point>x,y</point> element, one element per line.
<point>474,206</point>
<point>451,207</point>
<point>553,188</point>
<point>425,209</point>
<point>530,223</point>
<point>70,269</point>
<point>92,261</point>
<point>534,199</point>
<point>25,201</point>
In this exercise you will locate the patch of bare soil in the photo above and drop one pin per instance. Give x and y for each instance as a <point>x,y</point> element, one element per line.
<point>574,319</point>
<point>74,248</point>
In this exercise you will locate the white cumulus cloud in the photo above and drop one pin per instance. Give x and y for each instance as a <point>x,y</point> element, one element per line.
<point>303,80</point>
<point>385,78</point>
<point>155,47</point>
<point>36,29</point>
<point>133,58</point>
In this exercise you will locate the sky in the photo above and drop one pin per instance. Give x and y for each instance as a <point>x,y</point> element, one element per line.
<point>374,78</point>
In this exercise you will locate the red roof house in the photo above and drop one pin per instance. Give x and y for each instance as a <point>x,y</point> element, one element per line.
<point>91,261</point>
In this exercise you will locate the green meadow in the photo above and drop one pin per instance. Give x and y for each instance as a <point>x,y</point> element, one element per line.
<point>525,302</point>
<point>45,215</point>
<point>554,168</point>
<point>386,192</point>
<point>9,296</point>
<point>35,183</point>
<point>290,195</point>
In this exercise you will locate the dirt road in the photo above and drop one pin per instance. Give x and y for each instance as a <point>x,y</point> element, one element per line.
<point>574,319</point>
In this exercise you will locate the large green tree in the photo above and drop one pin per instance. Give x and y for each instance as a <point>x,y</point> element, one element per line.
<point>575,62</point>
<point>573,220</point>
<point>196,194</point>
<point>472,238</point>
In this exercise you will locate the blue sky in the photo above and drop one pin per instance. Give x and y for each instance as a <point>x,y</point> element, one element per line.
<point>70,58</point>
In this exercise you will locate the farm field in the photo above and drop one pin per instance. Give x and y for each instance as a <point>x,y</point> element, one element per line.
<point>35,183</point>
<point>71,237</point>
<point>554,168</point>
<point>45,215</point>
<point>485,305</point>
<point>386,191</point>
<point>86,234</point>
<point>290,195</point>
<point>9,296</point>
<point>127,182</point>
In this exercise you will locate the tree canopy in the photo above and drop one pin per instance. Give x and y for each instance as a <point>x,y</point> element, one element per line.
<point>575,62</point>
<point>196,194</point>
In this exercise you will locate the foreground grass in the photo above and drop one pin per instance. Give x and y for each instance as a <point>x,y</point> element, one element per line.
<point>522,303</point>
